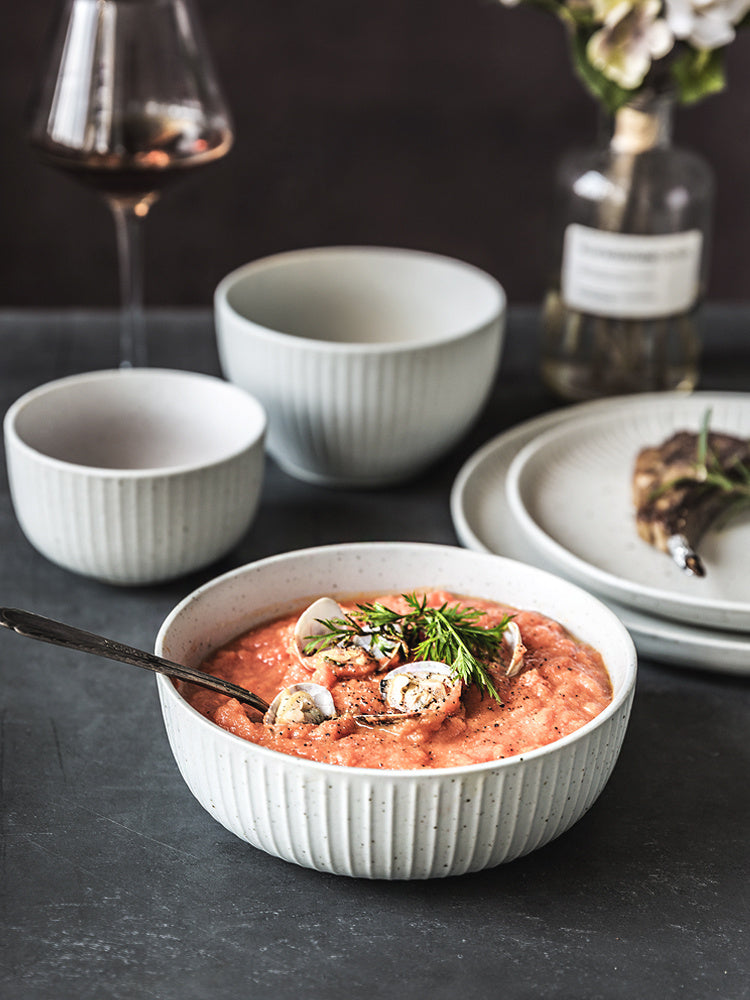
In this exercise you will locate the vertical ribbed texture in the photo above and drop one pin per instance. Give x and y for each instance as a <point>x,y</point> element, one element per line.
<point>135,529</point>
<point>362,417</point>
<point>390,825</point>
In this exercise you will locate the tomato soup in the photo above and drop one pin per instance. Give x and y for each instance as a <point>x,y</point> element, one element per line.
<point>561,685</point>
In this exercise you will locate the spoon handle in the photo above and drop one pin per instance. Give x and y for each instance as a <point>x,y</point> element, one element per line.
<point>35,626</point>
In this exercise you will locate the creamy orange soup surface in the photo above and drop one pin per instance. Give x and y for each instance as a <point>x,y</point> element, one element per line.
<point>562,685</point>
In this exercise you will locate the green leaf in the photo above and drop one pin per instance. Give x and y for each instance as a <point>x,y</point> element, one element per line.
<point>449,634</point>
<point>698,74</point>
<point>610,94</point>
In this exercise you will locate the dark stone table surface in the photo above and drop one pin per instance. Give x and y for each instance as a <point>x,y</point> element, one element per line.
<point>116,883</point>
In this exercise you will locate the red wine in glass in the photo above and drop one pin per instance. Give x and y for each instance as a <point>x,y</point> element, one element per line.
<point>128,104</point>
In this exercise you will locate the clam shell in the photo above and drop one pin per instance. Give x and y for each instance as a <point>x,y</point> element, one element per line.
<point>512,639</point>
<point>301,703</point>
<point>309,622</point>
<point>386,653</point>
<point>417,686</point>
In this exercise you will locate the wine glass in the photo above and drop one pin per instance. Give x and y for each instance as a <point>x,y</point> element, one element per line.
<point>128,103</point>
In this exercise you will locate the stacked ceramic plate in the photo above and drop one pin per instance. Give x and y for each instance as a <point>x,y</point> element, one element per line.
<point>556,492</point>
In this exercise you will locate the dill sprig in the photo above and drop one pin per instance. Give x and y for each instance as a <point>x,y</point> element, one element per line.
<point>449,634</point>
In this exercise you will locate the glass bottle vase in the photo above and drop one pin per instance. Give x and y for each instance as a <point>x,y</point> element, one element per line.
<point>631,246</point>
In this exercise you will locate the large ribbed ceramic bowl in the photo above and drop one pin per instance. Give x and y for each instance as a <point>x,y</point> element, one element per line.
<point>390,824</point>
<point>371,362</point>
<point>135,476</point>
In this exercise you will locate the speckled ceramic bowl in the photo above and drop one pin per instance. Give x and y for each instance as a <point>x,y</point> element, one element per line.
<point>385,823</point>
<point>370,361</point>
<point>135,476</point>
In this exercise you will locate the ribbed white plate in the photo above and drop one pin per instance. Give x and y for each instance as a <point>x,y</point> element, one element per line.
<point>570,491</point>
<point>484,522</point>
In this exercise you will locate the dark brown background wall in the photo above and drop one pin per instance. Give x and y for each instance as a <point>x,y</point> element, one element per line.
<point>433,124</point>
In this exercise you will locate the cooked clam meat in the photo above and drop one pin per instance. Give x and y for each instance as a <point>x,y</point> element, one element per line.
<point>386,651</point>
<point>417,687</point>
<point>365,647</point>
<point>301,704</point>
<point>345,661</point>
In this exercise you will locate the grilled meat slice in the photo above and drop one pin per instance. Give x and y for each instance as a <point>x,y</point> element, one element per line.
<point>674,503</point>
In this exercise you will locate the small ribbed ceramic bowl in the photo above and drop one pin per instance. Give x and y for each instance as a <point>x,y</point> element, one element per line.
<point>371,362</point>
<point>135,476</point>
<point>376,823</point>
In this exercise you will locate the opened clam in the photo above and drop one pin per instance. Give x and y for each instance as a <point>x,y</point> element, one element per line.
<point>359,644</point>
<point>301,704</point>
<point>408,690</point>
<point>419,686</point>
<point>349,643</point>
<point>311,622</point>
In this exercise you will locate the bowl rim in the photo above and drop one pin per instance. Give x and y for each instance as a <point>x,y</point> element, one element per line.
<point>619,702</point>
<point>221,302</point>
<point>258,426</point>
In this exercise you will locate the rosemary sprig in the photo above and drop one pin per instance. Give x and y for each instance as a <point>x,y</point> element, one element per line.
<point>708,470</point>
<point>734,481</point>
<point>449,634</point>
<point>701,451</point>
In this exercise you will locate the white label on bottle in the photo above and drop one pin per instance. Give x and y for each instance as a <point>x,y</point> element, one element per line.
<point>630,277</point>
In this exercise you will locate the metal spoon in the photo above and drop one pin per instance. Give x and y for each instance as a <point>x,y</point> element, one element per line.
<point>47,630</point>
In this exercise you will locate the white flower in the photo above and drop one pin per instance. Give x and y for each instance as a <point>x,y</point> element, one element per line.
<point>631,37</point>
<point>705,24</point>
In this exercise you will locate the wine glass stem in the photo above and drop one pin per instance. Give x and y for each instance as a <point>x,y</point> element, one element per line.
<point>130,258</point>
